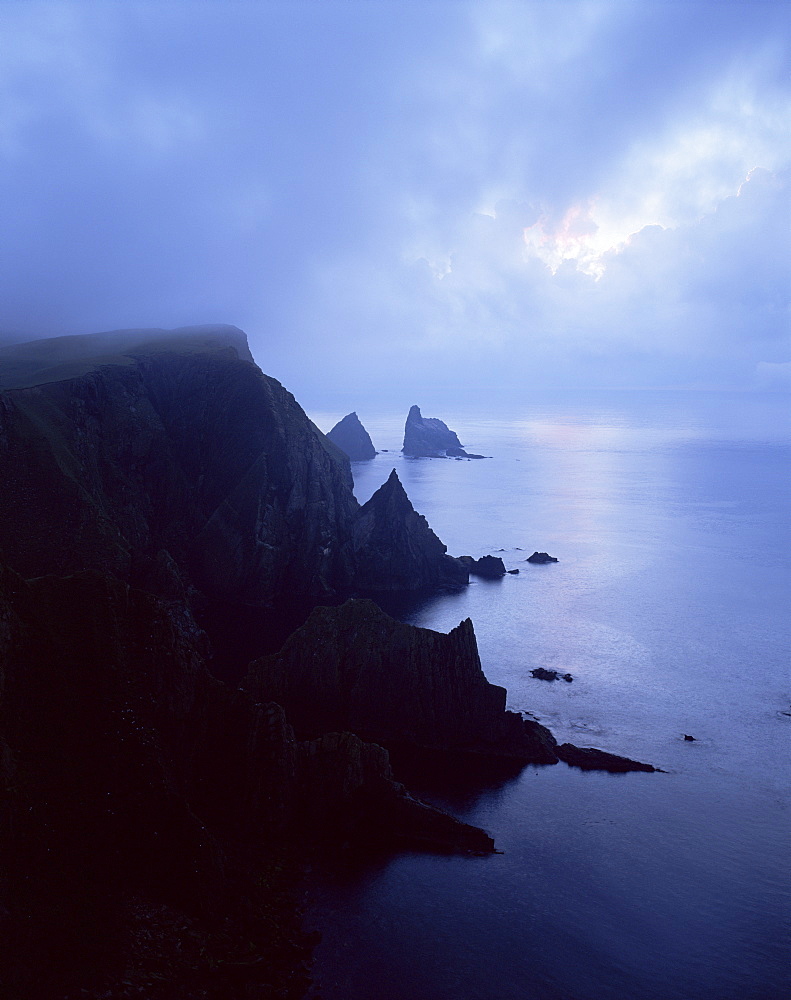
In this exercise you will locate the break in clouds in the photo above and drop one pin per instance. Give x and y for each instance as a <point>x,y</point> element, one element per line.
<point>578,193</point>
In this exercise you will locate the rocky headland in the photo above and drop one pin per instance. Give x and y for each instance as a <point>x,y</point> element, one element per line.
<point>155,482</point>
<point>352,438</point>
<point>354,667</point>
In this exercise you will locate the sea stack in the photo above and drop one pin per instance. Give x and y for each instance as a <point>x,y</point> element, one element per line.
<point>352,438</point>
<point>428,437</point>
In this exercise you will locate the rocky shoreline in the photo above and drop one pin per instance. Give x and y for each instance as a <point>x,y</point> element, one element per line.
<point>154,481</point>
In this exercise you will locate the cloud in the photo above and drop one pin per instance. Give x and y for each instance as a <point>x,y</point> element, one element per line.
<point>592,190</point>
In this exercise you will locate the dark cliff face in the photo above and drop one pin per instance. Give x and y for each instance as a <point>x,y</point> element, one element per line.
<point>194,460</point>
<point>352,438</point>
<point>198,455</point>
<point>428,437</point>
<point>138,486</point>
<point>129,772</point>
<point>393,547</point>
<point>355,667</point>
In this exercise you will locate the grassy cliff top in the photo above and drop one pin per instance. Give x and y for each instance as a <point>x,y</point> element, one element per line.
<point>58,358</point>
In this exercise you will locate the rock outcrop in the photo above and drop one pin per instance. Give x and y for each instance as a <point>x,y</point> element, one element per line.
<point>540,558</point>
<point>354,667</point>
<point>489,567</point>
<point>591,759</point>
<point>393,548</point>
<point>428,437</point>
<point>542,674</point>
<point>352,438</point>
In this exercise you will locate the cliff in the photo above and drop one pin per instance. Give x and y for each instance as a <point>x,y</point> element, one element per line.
<point>176,463</point>
<point>428,437</point>
<point>393,547</point>
<point>354,667</point>
<point>352,438</point>
<point>134,781</point>
<point>145,476</point>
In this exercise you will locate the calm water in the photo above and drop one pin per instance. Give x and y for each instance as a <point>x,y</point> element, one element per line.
<point>669,513</point>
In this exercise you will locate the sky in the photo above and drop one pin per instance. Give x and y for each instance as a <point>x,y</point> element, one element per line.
<point>398,198</point>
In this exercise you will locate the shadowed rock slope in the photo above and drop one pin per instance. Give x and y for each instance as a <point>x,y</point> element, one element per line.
<point>393,547</point>
<point>134,781</point>
<point>137,790</point>
<point>352,438</point>
<point>355,667</point>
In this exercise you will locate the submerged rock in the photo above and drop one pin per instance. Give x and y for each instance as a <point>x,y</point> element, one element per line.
<point>540,558</point>
<point>428,437</point>
<point>490,567</point>
<point>352,438</point>
<point>591,759</point>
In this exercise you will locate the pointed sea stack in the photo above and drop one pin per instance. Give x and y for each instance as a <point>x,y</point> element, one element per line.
<point>352,438</point>
<point>393,547</point>
<point>428,437</point>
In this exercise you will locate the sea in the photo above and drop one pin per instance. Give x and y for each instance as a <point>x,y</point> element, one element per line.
<point>670,606</point>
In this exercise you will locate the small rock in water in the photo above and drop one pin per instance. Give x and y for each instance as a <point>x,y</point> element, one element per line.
<point>542,674</point>
<point>689,739</point>
<point>541,557</point>
<point>512,571</point>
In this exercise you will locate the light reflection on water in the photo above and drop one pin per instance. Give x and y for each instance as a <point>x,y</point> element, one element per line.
<point>670,607</point>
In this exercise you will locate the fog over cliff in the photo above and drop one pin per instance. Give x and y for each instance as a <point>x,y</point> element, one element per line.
<point>587,193</point>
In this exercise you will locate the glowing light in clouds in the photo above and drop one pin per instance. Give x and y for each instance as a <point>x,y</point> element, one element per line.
<point>584,235</point>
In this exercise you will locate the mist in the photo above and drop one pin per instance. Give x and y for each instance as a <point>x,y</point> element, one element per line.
<point>395,199</point>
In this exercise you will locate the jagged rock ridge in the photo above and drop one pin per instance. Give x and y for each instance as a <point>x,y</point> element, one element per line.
<point>429,437</point>
<point>352,438</point>
<point>393,547</point>
<point>355,667</point>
